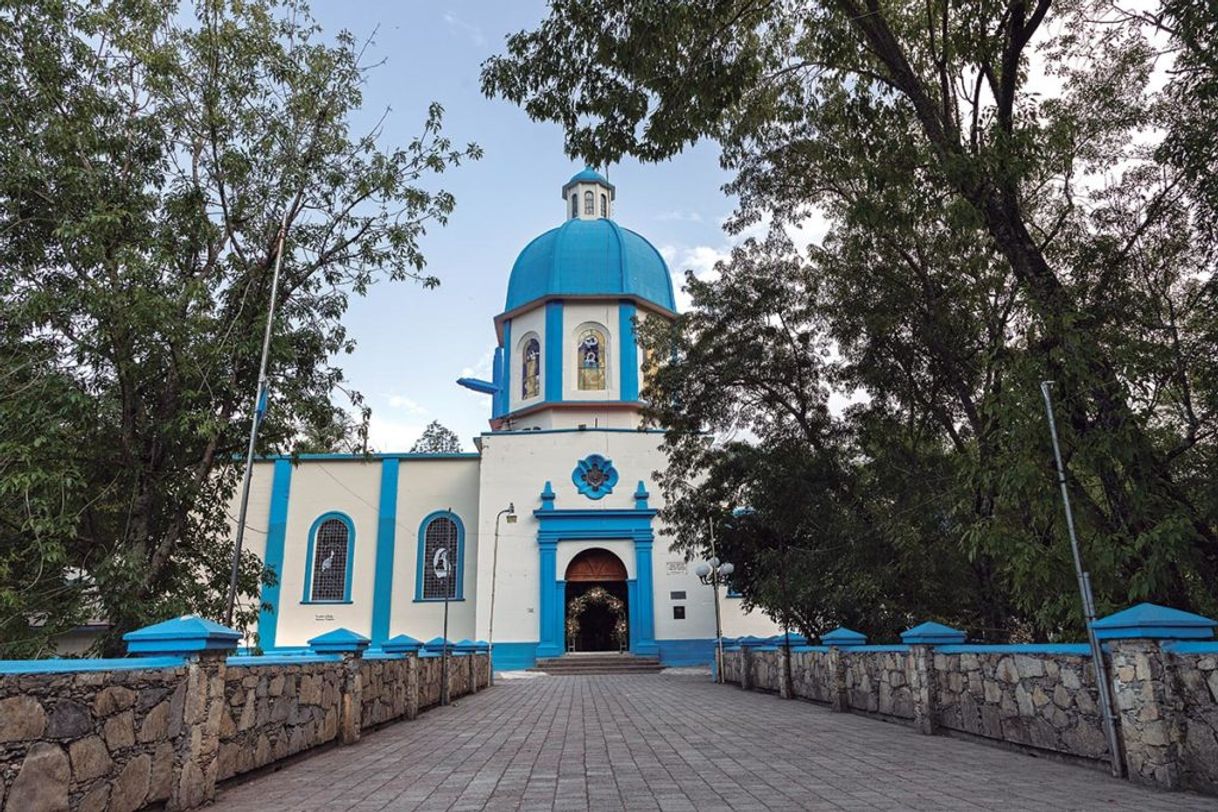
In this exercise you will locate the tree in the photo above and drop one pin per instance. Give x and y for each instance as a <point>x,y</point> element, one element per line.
<point>437,439</point>
<point>985,234</point>
<point>149,157</point>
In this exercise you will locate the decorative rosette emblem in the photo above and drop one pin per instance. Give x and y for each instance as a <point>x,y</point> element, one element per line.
<point>594,476</point>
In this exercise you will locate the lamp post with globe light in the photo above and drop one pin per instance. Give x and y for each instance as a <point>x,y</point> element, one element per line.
<point>510,513</point>
<point>712,573</point>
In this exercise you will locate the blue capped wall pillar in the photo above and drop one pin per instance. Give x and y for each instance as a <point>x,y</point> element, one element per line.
<point>206,645</point>
<point>920,669</point>
<point>1153,726</point>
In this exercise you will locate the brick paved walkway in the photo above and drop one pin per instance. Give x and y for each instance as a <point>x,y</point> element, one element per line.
<point>672,742</point>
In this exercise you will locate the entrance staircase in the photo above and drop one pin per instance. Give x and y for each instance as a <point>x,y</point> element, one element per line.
<point>588,663</point>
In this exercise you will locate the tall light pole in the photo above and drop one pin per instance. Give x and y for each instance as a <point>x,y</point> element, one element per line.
<point>260,404</point>
<point>510,512</point>
<point>1084,588</point>
<point>712,572</point>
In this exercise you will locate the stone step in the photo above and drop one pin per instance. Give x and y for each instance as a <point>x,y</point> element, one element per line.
<point>591,663</point>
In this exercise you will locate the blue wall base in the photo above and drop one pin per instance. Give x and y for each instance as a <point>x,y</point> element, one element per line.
<point>514,656</point>
<point>686,652</point>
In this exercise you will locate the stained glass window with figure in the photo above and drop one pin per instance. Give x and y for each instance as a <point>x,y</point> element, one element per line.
<point>591,350</point>
<point>530,383</point>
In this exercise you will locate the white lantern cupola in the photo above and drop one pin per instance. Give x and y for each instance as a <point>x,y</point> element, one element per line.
<point>588,196</point>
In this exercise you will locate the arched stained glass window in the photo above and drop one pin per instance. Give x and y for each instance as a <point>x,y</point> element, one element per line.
<point>440,557</point>
<point>604,205</point>
<point>575,205</point>
<point>330,560</point>
<point>590,349</point>
<point>589,205</point>
<point>530,377</point>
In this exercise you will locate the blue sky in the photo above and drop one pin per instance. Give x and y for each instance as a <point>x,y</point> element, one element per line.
<point>413,343</point>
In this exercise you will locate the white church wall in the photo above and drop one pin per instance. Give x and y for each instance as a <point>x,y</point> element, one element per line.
<point>350,487</point>
<point>424,487</point>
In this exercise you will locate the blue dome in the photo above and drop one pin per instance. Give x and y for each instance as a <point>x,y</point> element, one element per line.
<point>588,175</point>
<point>590,258</point>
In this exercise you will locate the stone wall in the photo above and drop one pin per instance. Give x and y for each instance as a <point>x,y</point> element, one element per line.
<point>90,741</point>
<point>122,737</point>
<point>1041,700</point>
<point>877,682</point>
<point>275,711</point>
<point>1038,697</point>
<point>1198,693</point>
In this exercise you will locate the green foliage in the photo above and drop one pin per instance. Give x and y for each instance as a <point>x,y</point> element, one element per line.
<point>983,235</point>
<point>149,155</point>
<point>437,439</point>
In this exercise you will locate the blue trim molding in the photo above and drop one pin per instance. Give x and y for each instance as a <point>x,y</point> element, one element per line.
<point>386,536</point>
<point>594,476</point>
<point>307,596</point>
<point>630,350</point>
<point>276,537</point>
<point>457,592</point>
<point>514,656</point>
<point>552,364</point>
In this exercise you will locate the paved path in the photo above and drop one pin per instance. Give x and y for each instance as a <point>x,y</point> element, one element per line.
<point>672,742</point>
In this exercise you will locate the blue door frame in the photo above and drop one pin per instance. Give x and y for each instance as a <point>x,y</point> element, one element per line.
<point>595,525</point>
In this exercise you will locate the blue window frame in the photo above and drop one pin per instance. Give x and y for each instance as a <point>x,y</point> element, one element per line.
<point>441,534</point>
<point>330,559</point>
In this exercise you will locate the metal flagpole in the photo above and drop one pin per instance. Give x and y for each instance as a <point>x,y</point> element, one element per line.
<point>260,405</point>
<point>1084,588</point>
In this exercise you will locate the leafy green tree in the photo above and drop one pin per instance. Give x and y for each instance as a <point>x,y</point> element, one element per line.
<point>149,155</point>
<point>437,439</point>
<point>984,235</point>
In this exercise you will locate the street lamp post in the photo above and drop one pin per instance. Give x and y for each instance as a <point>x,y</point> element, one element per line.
<point>510,512</point>
<point>712,573</point>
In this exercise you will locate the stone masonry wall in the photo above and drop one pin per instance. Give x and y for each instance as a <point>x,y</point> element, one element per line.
<point>1035,700</point>
<point>876,682</point>
<point>125,738</point>
<point>1198,690</point>
<point>90,741</point>
<point>275,711</point>
<point>1039,697</point>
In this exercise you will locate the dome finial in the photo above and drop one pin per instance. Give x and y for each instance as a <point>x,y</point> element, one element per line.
<point>588,196</point>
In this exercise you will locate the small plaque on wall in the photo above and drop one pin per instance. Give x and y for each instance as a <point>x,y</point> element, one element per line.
<point>677,568</point>
<point>323,618</point>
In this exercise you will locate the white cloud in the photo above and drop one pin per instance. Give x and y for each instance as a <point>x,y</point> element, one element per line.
<point>391,435</point>
<point>470,30</point>
<point>406,404</point>
<point>677,215</point>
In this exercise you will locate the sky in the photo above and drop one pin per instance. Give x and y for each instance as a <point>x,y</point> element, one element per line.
<point>412,343</point>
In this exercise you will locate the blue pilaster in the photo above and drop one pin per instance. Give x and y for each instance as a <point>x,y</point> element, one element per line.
<point>632,611</point>
<point>276,536</point>
<point>554,346</point>
<point>504,395</point>
<point>645,597</point>
<point>630,350</point>
<point>386,522</point>
<point>551,644</point>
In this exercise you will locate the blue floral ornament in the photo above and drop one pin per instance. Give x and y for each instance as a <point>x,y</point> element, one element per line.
<point>594,476</point>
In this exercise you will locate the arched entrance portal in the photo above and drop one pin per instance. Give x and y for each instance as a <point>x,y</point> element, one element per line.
<point>596,602</point>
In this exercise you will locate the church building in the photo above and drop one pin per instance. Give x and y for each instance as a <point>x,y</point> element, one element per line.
<point>546,539</point>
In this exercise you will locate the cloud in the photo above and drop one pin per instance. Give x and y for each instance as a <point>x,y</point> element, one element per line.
<point>458,25</point>
<point>390,435</point>
<point>408,405</point>
<point>677,215</point>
